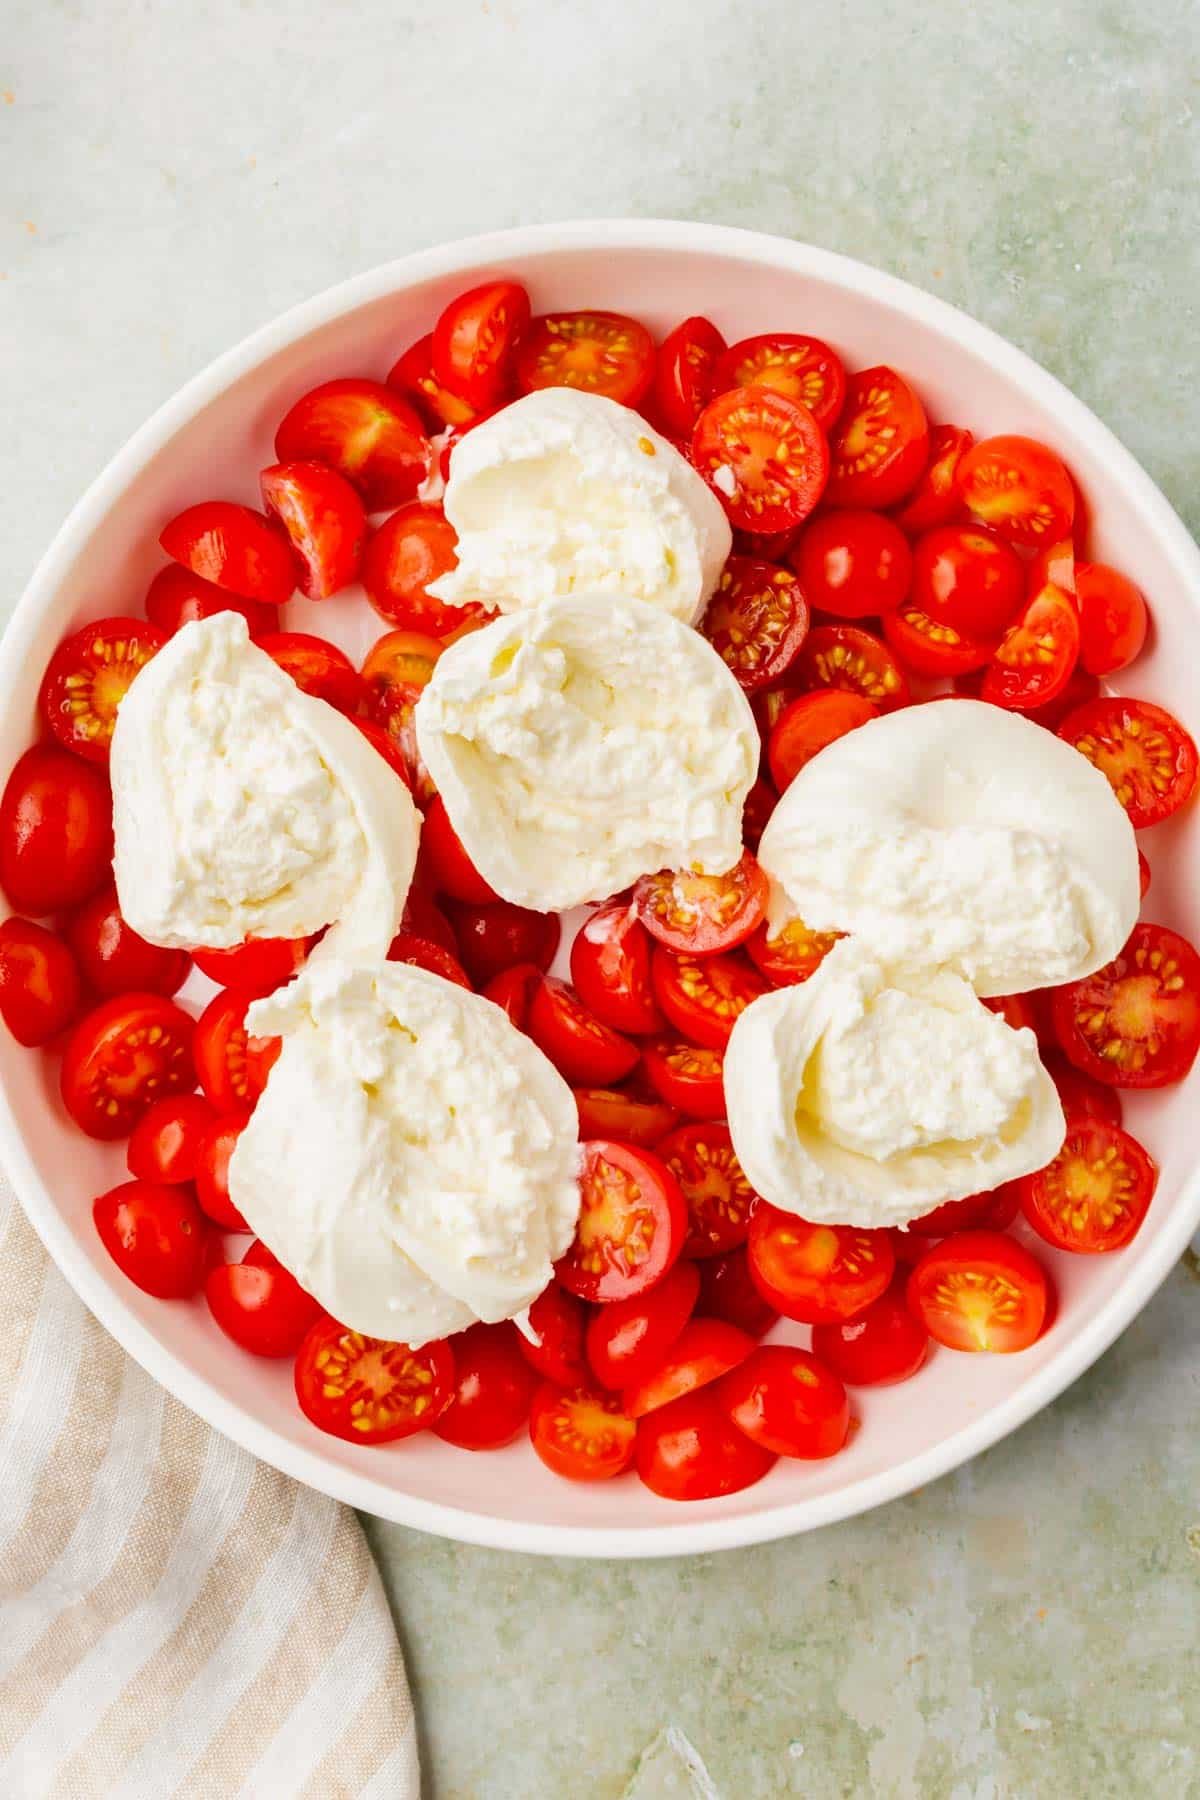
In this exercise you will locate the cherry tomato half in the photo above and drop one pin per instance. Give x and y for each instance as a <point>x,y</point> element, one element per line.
<point>366,432</point>
<point>369,1390</point>
<point>756,621</point>
<point>719,1198</point>
<point>1035,658</point>
<point>260,1304</point>
<point>1081,1096</point>
<point>610,966</point>
<point>412,375</point>
<point>40,989</point>
<point>1150,761</point>
<point>703,996</point>
<point>598,352</point>
<point>792,953</point>
<point>55,831</point>
<point>88,677</point>
<point>878,1347</point>
<point>176,597</point>
<point>704,1350</point>
<point>324,519</point>
<point>425,953</point>
<point>122,1056</point>
<point>493,1388</point>
<point>164,1143</point>
<point>580,1046</point>
<point>581,1432</point>
<point>451,868</point>
<point>764,456</point>
<point>995,1209</point>
<point>701,914</point>
<point>854,662</point>
<point>632,1223</point>
<point>413,548</point>
<point>475,340</point>
<point>691,1450</point>
<point>558,1320</point>
<point>1113,620</point>
<point>854,564</point>
<point>213,1151</point>
<point>115,959</point>
<point>980,1290</point>
<point>232,1065</point>
<point>935,500</point>
<point>155,1235</point>
<point>880,445</point>
<point>1095,1194</point>
<point>801,368</point>
<point>687,1076</point>
<point>611,1113</point>
<point>927,646</point>
<point>317,667</point>
<point>513,990</point>
<point>966,577</point>
<point>810,723</point>
<point>234,547</point>
<point>495,936</point>
<point>817,1273</point>
<point>727,1291</point>
<point>258,966</point>
<point>787,1401</point>
<point>683,375</point>
<point>1136,1022</point>
<point>1018,487</point>
<point>627,1340</point>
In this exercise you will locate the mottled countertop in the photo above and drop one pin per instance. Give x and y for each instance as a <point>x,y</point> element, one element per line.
<point>175,175</point>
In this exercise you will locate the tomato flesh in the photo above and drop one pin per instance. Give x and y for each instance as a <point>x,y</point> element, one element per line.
<point>364,431</point>
<point>808,725</point>
<point>935,499</point>
<point>581,1047</point>
<point>1136,1022</point>
<point>1093,1197</point>
<point>156,1236</point>
<point>853,662</point>
<point>88,677</point>
<point>699,915</point>
<point>687,1076</point>
<point>324,519</point>
<point>927,646</point>
<point>817,1273</point>
<point>581,1432</point>
<point>632,1223</point>
<point>764,456</point>
<point>234,547</point>
<point>704,996</point>
<point>370,1390</point>
<point>493,1388</point>
<point>792,953</point>
<point>599,352</point>
<point>232,1065</point>
<point>40,988</point>
<point>714,1185</point>
<point>880,446</point>
<point>1034,660</point>
<point>121,1057</point>
<point>756,621</point>
<point>691,1450</point>
<point>627,1340</point>
<point>610,966</point>
<point>608,1112</point>
<point>854,564</point>
<point>980,1290</point>
<point>1148,758</point>
<point>475,339</point>
<point>412,375</point>
<point>787,1401</point>
<point>1018,487</point>
<point>801,368</point>
<point>880,1346</point>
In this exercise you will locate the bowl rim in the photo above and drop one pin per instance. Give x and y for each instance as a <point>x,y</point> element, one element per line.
<point>689,1535</point>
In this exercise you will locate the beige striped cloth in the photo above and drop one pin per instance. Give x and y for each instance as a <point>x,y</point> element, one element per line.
<point>175,1617</point>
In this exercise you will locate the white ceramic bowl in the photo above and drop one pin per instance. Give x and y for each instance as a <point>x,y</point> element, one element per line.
<point>211,440</point>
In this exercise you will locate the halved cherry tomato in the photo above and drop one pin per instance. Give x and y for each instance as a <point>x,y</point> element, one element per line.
<point>558,1320</point>
<point>258,966</point>
<point>514,990</point>
<point>1094,1195</point>
<point>690,1450</point>
<point>703,997</point>
<point>579,1045</point>
<point>494,936</point>
<point>493,1388</point>
<point>234,547</point>
<point>610,966</point>
<point>1143,874</point>
<point>455,436</point>
<point>1081,1096</point>
<point>156,1236</point>
<point>1033,661</point>
<point>1018,487</point>
<point>688,1076</point>
<point>88,677</point>
<point>164,1142</point>
<point>40,988</point>
<point>325,520</point>
<point>880,445</point>
<point>854,564</point>
<point>701,914</point>
<point>414,547</point>
<point>966,577</point>
<point>704,1350</point>
<point>1149,759</point>
<point>475,340</point>
<point>395,669</point>
<point>369,1390</point>
<point>317,667</point>
<point>452,870</point>
<point>213,1151</point>
<point>424,953</point>
<point>787,1401</point>
<point>808,724</point>
<point>115,959</point>
<point>628,1340</point>
<point>801,368</point>
<point>935,500</point>
<point>121,1057</point>
<point>176,597</point>
<point>599,352</point>
<point>683,374</point>
<point>610,1112</point>
<point>817,1273</point>
<point>756,621</point>
<point>1135,1022</point>
<point>422,914</point>
<point>727,1291</point>
<point>364,431</point>
<point>719,1198</point>
<point>1021,1012</point>
<point>928,647</point>
<point>854,662</point>
<point>1112,618</point>
<point>764,456</point>
<point>55,831</point>
<point>980,1290</point>
<point>880,1346</point>
<point>412,375</point>
<point>1079,688</point>
<point>996,1210</point>
<point>760,804</point>
<point>632,1223</point>
<point>232,1065</point>
<point>260,1304</point>
<point>792,953</point>
<point>581,1432</point>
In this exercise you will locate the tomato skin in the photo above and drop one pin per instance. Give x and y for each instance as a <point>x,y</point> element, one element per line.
<point>703,997</point>
<point>163,1144</point>
<point>808,725</point>
<point>632,1223</point>
<point>369,1390</point>
<point>494,1386</point>
<point>853,662</point>
<point>628,1339</point>
<point>423,916</point>
<point>996,1210</point>
<point>1081,1096</point>
<point>260,1304</point>
<point>1149,759</point>
<point>756,814</point>
<point>177,597</point>
<point>699,915</point>
<point>115,959</point>
<point>1018,487</point>
<point>704,1351</point>
<point>1135,1023</point>
<point>601,352</point>
<point>719,1197</point>
<point>496,936</point>
<point>424,953</point>
<point>935,499</point>
<point>232,1065</point>
<point>258,966</point>
<point>414,547</point>
<point>610,967</point>
<point>324,519</point>
<point>881,444</point>
<point>854,564</point>
<point>979,1290</point>
<point>1035,659</point>
<point>234,547</point>
<point>366,432</point>
<point>1093,1197</point>
<point>929,647</point>
<point>687,1076</point>
<point>879,1347</point>
<point>559,1320</point>
<point>317,667</point>
<point>87,678</point>
<point>156,1236</point>
<point>513,990</point>
<point>608,1112</point>
<point>412,375</point>
<point>475,338</point>
<point>580,1046</point>
<point>787,1401</point>
<point>581,1433</point>
<point>818,1274</point>
<point>55,831</point>
<point>691,1450</point>
<point>452,870</point>
<point>395,670</point>
<point>1113,620</point>
<point>214,1148</point>
<point>40,989</point>
<point>764,456</point>
<point>966,577</point>
<point>727,1291</point>
<point>801,368</point>
<point>792,954</point>
<point>121,1057</point>
<point>756,621</point>
<point>683,374</point>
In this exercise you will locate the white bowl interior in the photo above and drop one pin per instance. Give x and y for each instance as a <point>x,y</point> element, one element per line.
<point>212,441</point>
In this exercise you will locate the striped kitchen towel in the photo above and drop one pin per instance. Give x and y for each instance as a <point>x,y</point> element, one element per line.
<point>175,1617</point>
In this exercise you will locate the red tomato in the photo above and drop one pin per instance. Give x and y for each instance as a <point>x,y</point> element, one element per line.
<point>1112,618</point>
<point>980,1290</point>
<point>1149,759</point>
<point>787,1401</point>
<point>324,519</point>
<point>155,1235</point>
<point>581,1433</point>
<point>719,1197</point>
<point>1143,874</point>
<point>364,431</point>
<point>632,1223</point>
<point>424,953</point>
<point>760,804</point>
<point>996,1209</point>
<point>1081,1097</point>
<point>423,916</point>
<point>701,914</point>
<point>121,1057</point>
<point>881,444</point>
<point>455,436</point>
<point>935,499</point>
<point>234,547</point>
<point>727,1291</point>
<point>683,374</point>
<point>610,966</point>
<point>1094,1195</point>
<point>577,1043</point>
<point>600,352</point>
<point>258,966</point>
<point>317,667</point>
<point>493,1388</point>
<point>452,870</point>
<point>756,621</point>
<point>213,1151</point>
<point>475,339</point>
<point>1079,688</point>
<point>702,1352</point>
<point>514,991</point>
<point>396,668</point>
<point>260,1304</point>
<point>792,954</point>
<point>854,564</point>
<point>703,997</point>
<point>177,597</point>
<point>412,375</point>
<point>114,959</point>
<point>855,662</point>
<point>965,577</point>
<point>687,1076</point>
<point>1034,659</point>
<point>878,1347</point>
<point>817,1273</point>
<point>232,1066</point>
<point>1135,1022</point>
<point>87,678</point>
<point>626,1341</point>
<point>764,456</point>
<point>928,647</point>
<point>416,546</point>
<point>800,368</point>
<point>1019,488</point>
<point>608,1112</point>
<point>493,937</point>
<point>691,1451</point>
<point>369,1390</point>
<point>164,1142</point>
<point>808,724</point>
<point>558,1319</point>
<point>40,990</point>
<point>55,831</point>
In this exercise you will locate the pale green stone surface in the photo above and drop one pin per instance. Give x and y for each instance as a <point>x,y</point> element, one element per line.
<point>172,176</point>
